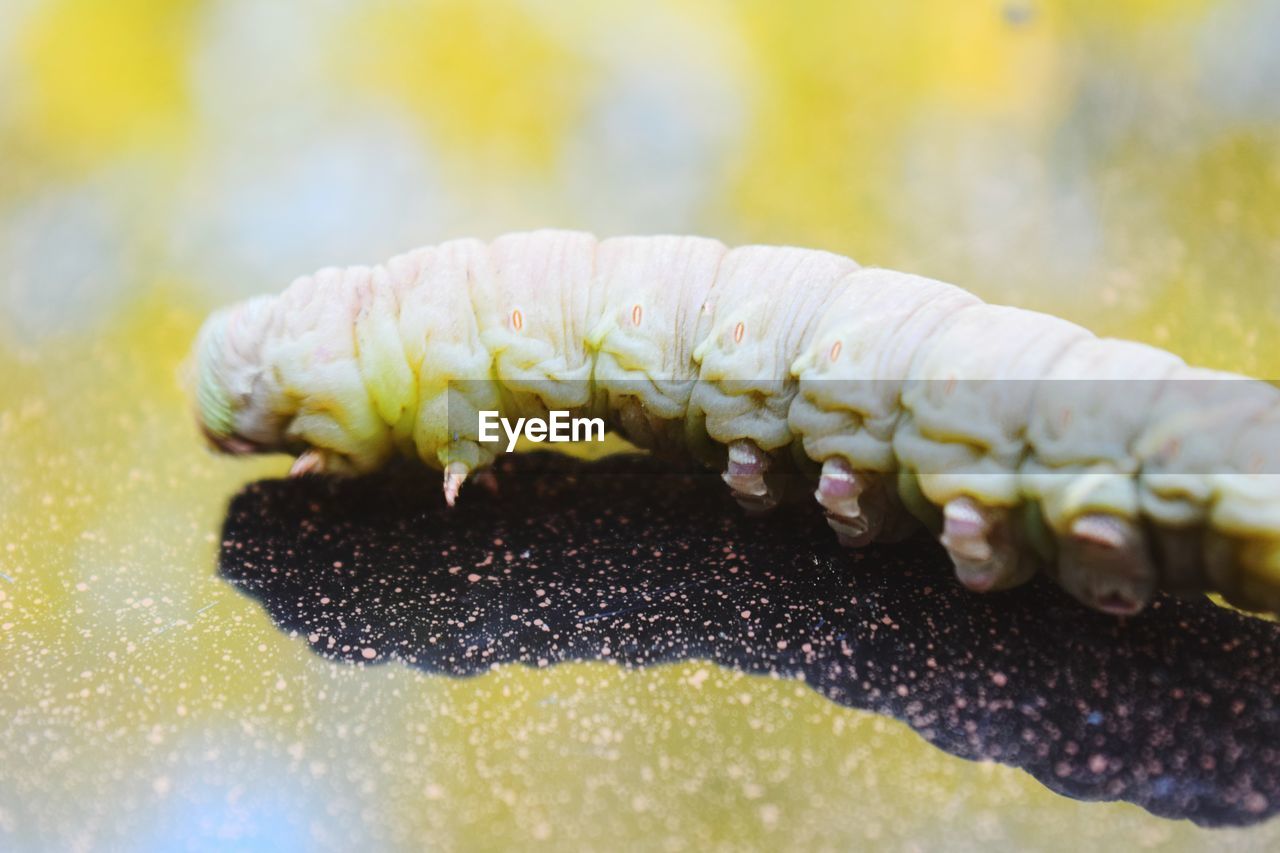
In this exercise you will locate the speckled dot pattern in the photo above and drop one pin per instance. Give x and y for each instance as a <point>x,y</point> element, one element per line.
<point>628,560</point>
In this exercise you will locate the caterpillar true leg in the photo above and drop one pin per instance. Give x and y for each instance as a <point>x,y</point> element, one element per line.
<point>455,474</point>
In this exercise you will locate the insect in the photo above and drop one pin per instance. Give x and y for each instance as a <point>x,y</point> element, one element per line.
<point>1022,441</point>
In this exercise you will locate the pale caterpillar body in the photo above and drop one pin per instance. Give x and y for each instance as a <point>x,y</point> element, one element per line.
<point>1022,439</point>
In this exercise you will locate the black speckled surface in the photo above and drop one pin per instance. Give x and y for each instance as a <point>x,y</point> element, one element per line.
<point>1174,710</point>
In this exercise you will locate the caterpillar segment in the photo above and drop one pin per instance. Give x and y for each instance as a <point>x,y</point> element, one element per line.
<point>653,300</point>
<point>1084,421</point>
<point>850,382</point>
<point>963,432</point>
<point>744,390</point>
<point>1022,441</point>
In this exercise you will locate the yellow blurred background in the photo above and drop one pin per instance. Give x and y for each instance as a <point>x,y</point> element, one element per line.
<point>1117,163</point>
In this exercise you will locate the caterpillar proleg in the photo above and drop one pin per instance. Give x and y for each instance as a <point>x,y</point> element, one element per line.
<point>1023,441</point>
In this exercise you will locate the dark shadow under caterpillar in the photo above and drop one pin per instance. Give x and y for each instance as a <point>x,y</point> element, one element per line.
<point>1175,709</point>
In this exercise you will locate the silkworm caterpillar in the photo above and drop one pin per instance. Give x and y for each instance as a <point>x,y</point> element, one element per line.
<point>1023,441</point>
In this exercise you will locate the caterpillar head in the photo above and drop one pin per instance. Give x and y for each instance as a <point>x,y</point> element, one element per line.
<point>238,404</point>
